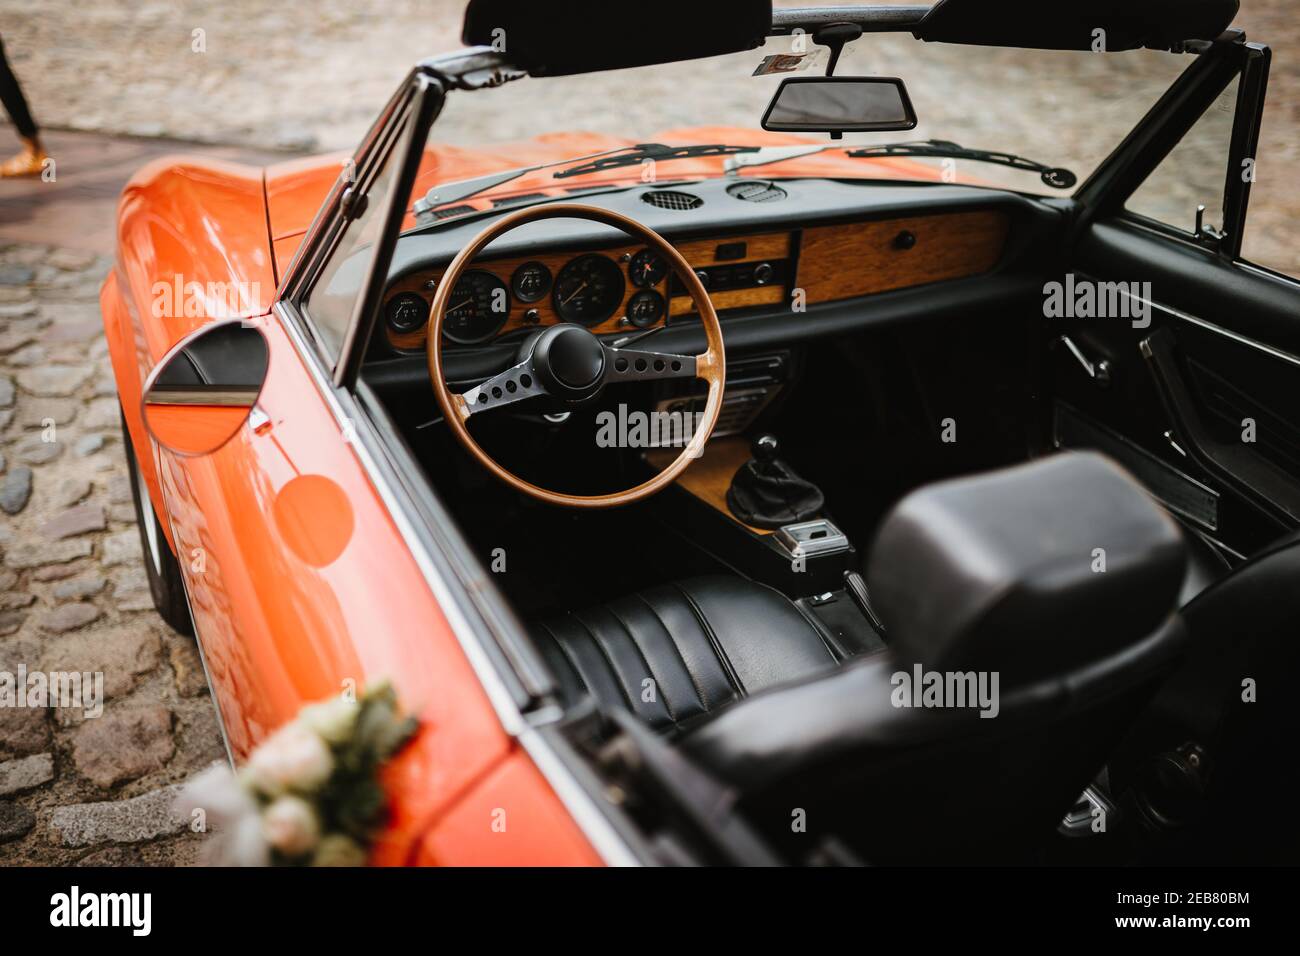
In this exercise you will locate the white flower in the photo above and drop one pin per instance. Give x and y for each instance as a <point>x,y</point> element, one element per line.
<point>214,801</point>
<point>290,825</point>
<point>332,719</point>
<point>241,843</point>
<point>293,758</point>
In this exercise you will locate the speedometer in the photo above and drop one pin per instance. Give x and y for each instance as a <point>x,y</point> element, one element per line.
<point>479,306</point>
<point>589,290</point>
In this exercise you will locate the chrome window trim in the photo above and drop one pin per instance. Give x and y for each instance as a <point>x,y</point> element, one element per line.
<point>1292,283</point>
<point>320,242</point>
<point>1211,327</point>
<point>603,835</point>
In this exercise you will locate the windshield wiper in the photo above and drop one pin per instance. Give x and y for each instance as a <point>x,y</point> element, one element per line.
<point>462,189</point>
<point>455,192</point>
<point>655,151</point>
<point>1054,176</point>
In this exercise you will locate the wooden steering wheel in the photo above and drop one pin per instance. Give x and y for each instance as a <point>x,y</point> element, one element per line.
<point>567,362</point>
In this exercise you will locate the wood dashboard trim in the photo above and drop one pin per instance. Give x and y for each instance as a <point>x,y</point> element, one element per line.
<point>843,261</point>
<point>862,258</point>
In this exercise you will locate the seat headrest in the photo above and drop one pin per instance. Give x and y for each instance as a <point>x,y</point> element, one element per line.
<point>1030,571</point>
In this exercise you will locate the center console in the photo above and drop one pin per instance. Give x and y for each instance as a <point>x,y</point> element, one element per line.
<point>753,383</point>
<point>803,558</point>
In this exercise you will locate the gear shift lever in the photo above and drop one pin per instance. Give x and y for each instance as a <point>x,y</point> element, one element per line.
<point>767,493</point>
<point>764,449</point>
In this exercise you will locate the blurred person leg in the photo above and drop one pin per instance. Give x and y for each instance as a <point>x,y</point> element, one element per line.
<point>30,160</point>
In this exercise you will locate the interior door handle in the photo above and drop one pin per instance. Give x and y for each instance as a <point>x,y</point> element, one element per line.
<point>1098,371</point>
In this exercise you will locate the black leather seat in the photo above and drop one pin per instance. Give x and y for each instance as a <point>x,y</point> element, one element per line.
<point>996,574</point>
<point>1205,566</point>
<point>675,654</point>
<point>1234,804</point>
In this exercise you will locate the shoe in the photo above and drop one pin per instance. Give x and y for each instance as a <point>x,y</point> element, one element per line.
<point>29,162</point>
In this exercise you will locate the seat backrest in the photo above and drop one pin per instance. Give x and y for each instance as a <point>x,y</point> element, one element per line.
<point>1029,614</point>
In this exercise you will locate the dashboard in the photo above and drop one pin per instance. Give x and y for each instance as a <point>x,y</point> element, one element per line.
<point>617,288</point>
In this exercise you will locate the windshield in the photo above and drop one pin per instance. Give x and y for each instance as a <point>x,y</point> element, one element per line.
<point>1059,108</point>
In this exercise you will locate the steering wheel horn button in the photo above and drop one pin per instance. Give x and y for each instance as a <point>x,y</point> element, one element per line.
<point>570,361</point>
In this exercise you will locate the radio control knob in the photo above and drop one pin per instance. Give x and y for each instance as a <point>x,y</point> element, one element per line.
<point>703,276</point>
<point>764,273</point>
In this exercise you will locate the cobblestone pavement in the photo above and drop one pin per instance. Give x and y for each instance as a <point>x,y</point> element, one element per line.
<point>74,597</point>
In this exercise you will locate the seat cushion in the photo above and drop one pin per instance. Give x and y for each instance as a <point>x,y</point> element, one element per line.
<point>675,653</point>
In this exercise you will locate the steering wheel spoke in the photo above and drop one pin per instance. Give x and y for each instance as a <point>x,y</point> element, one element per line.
<point>512,385</point>
<point>638,365</point>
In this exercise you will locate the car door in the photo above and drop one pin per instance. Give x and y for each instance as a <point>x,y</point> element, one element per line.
<point>1168,350</point>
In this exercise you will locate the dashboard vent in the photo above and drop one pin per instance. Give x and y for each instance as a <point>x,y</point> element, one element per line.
<point>449,212</point>
<point>512,200</point>
<point>670,199</point>
<point>757,192</point>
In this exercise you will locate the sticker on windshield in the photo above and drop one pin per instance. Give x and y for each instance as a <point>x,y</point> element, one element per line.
<point>794,54</point>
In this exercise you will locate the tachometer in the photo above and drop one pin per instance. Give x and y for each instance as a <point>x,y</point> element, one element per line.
<point>479,306</point>
<point>589,290</point>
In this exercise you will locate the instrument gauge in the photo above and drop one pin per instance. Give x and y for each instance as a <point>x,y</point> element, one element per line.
<point>479,306</point>
<point>531,282</point>
<point>406,312</point>
<point>589,290</point>
<point>645,309</point>
<point>647,269</point>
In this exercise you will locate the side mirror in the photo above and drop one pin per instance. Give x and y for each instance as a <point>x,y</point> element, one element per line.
<point>205,388</point>
<point>840,104</point>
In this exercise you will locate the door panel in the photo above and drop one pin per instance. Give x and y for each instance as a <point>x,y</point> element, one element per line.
<point>1196,281</point>
<point>1203,390</point>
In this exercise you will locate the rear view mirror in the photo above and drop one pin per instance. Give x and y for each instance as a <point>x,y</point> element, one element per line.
<point>205,388</point>
<point>840,104</point>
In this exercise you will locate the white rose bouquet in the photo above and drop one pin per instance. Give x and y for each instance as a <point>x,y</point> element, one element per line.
<point>309,795</point>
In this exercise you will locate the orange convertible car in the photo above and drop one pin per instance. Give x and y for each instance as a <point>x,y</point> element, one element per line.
<point>731,495</point>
